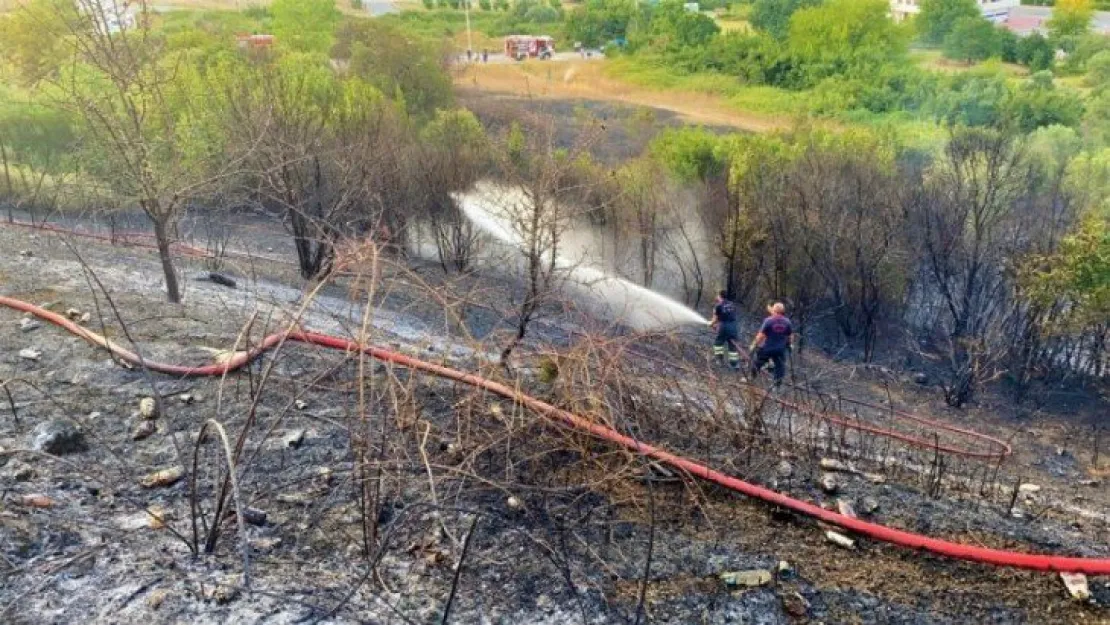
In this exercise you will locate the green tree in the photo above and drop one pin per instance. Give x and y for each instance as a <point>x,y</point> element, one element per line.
<point>1008,43</point>
<point>32,40</point>
<point>690,154</point>
<point>938,18</point>
<point>454,153</point>
<point>540,14</point>
<point>1098,71</point>
<point>396,63</point>
<point>597,22</point>
<point>853,36</point>
<point>137,110</point>
<point>1070,19</point>
<point>1079,274</point>
<point>1096,120</point>
<point>304,25</point>
<point>773,16</point>
<point>976,98</point>
<point>1035,52</point>
<point>673,28</point>
<point>972,39</point>
<point>1039,103</point>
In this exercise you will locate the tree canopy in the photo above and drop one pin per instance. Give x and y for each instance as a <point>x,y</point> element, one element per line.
<point>304,25</point>
<point>773,16</point>
<point>846,35</point>
<point>972,39</point>
<point>1070,19</point>
<point>938,18</point>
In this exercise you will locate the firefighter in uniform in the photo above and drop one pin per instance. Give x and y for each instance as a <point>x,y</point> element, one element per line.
<point>728,333</point>
<point>773,342</point>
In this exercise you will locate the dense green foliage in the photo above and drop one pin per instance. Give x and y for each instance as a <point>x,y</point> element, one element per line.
<point>938,18</point>
<point>304,25</point>
<point>773,16</point>
<point>973,39</point>
<point>598,22</point>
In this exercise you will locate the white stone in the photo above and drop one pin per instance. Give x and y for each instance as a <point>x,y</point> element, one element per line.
<point>753,578</point>
<point>30,353</point>
<point>293,439</point>
<point>1076,583</point>
<point>148,408</point>
<point>832,464</point>
<point>845,507</point>
<point>840,540</point>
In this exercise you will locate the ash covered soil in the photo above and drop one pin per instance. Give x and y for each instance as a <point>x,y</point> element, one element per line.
<point>372,496</point>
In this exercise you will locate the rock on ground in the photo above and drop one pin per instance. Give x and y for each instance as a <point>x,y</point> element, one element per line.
<point>58,437</point>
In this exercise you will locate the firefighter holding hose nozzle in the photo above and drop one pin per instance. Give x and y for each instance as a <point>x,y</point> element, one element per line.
<point>773,341</point>
<point>728,333</point>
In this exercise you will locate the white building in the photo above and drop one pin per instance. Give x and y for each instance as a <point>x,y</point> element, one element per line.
<point>994,10</point>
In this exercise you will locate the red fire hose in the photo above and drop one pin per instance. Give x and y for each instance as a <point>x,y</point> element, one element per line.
<point>996,449</point>
<point>1090,566</point>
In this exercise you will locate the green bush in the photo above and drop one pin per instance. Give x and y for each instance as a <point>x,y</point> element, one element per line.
<point>1035,52</point>
<point>542,15</point>
<point>599,22</point>
<point>773,16</point>
<point>1098,70</point>
<point>972,39</point>
<point>485,5</point>
<point>1040,103</point>
<point>256,12</point>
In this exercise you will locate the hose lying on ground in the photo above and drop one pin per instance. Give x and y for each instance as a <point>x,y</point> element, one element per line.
<point>1091,566</point>
<point>997,450</point>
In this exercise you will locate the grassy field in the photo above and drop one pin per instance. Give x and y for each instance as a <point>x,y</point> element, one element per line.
<point>614,81</point>
<point>933,60</point>
<point>729,25</point>
<point>707,99</point>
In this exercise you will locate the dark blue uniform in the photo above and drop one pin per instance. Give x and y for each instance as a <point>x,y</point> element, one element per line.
<point>776,340</point>
<point>728,334</point>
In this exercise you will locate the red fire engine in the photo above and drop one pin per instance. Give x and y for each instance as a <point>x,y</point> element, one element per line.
<point>520,47</point>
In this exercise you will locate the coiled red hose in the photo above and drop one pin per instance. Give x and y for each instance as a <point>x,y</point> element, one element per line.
<point>1090,566</point>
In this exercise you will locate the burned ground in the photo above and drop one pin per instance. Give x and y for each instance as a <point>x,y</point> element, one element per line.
<point>385,494</point>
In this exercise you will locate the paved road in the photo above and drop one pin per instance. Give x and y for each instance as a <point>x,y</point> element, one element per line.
<point>1034,17</point>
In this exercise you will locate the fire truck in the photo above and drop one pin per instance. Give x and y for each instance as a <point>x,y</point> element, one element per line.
<point>521,47</point>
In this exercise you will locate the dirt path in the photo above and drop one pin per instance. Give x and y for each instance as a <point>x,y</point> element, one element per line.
<point>587,80</point>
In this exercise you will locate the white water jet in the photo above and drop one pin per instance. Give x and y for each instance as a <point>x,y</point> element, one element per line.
<point>490,207</point>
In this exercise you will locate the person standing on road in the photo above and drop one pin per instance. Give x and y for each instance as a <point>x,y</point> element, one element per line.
<point>728,333</point>
<point>485,55</point>
<point>773,341</point>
